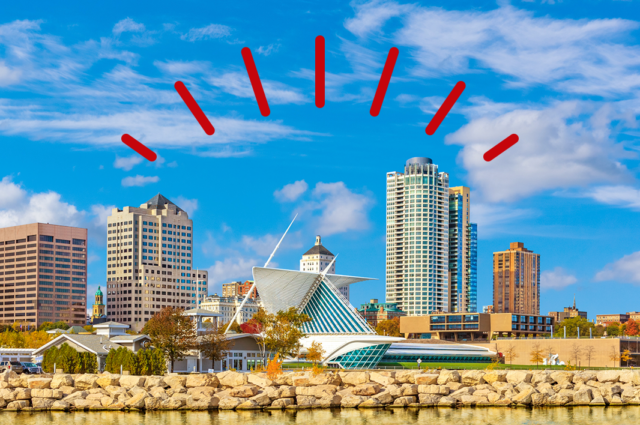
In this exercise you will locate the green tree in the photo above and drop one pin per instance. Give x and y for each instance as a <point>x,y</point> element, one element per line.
<point>389,327</point>
<point>68,359</point>
<point>47,326</point>
<point>283,332</point>
<point>572,325</point>
<point>613,329</point>
<point>315,353</point>
<point>213,345</point>
<point>235,327</point>
<point>172,332</point>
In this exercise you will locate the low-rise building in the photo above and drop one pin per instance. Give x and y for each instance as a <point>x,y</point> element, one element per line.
<point>607,319</point>
<point>568,313</point>
<point>227,307</point>
<point>239,289</point>
<point>375,312</point>
<point>475,326</point>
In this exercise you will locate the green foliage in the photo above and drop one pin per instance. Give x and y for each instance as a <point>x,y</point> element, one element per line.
<point>389,327</point>
<point>144,362</point>
<point>47,326</point>
<point>614,329</point>
<point>68,359</point>
<point>572,325</point>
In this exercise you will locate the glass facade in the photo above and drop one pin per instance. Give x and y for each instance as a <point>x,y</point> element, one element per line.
<point>364,358</point>
<point>331,314</point>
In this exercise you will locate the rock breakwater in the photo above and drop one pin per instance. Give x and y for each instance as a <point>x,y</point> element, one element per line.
<point>302,390</point>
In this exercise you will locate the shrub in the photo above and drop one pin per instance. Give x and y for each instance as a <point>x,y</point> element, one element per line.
<point>144,362</point>
<point>68,359</point>
<point>274,368</point>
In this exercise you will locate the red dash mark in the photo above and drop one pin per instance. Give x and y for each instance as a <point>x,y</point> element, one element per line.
<point>139,147</point>
<point>194,108</point>
<point>258,91</point>
<point>498,149</point>
<point>319,71</point>
<point>384,81</point>
<point>445,108</point>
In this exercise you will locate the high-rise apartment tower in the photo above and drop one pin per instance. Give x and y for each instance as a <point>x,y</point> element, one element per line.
<point>150,262</point>
<point>463,253</point>
<point>516,280</point>
<point>418,238</point>
<point>43,274</point>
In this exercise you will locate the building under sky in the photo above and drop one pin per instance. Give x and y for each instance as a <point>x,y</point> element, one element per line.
<point>516,280</point>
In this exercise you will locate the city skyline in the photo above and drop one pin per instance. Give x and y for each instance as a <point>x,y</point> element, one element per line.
<point>72,84</point>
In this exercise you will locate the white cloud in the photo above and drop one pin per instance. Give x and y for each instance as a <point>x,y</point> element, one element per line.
<point>626,270</point>
<point>127,25</point>
<point>558,148</point>
<point>181,67</point>
<point>208,32</point>
<point>264,245</point>
<point>139,180</point>
<point>577,56</point>
<point>620,196</point>
<point>229,270</point>
<point>238,84</point>
<point>337,209</point>
<point>18,206</point>
<point>494,218</point>
<point>556,279</point>
<point>189,205</point>
<point>8,76</point>
<point>267,50</point>
<point>291,192</point>
<point>128,162</point>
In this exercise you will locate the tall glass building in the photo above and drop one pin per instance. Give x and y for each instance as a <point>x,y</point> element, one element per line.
<point>463,248</point>
<point>418,238</point>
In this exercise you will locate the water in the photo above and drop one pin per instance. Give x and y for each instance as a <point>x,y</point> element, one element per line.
<point>628,415</point>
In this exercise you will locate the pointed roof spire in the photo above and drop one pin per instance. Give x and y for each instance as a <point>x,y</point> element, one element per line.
<point>574,301</point>
<point>159,202</point>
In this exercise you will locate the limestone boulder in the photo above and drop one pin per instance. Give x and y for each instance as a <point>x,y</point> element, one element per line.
<point>384,378</point>
<point>354,378</point>
<point>82,404</point>
<point>155,381</point>
<point>447,376</point>
<point>152,403</point>
<point>200,392</point>
<point>369,403</point>
<point>47,393</point>
<point>232,379</point>
<point>541,377</point>
<point>158,392</point>
<point>244,391</point>
<point>352,401</point>
<point>75,396</point>
<point>440,390</point>
<point>137,390</point>
<point>61,380</point>
<point>201,380</point>
<point>515,377</point>
<point>8,375</point>
<point>384,397</point>
<point>137,401</point>
<point>406,376</point>
<point>262,399</point>
<point>426,379</point>
<point>107,380</point>
<point>42,403</point>
<point>583,396</point>
<point>368,389</point>
<point>493,397</point>
<point>284,379</point>
<point>408,389</point>
<point>68,390</point>
<point>584,376</point>
<point>60,405</point>
<point>630,394</point>
<point>282,403</point>
<point>259,380</point>
<point>562,376</point>
<point>230,403</point>
<point>18,404</point>
<point>22,393</point>
<point>328,402</point>
<point>86,381</point>
<point>539,399</point>
<point>172,404</point>
<point>39,383</point>
<point>114,391</point>
<point>472,400</point>
<point>405,400</point>
<point>608,376</point>
<point>175,381</point>
<point>429,399</point>
<point>627,376</point>
<point>472,377</point>
<point>325,379</point>
<point>446,402</point>
<point>502,387</point>
<point>495,376</point>
<point>301,381</point>
<point>558,400</point>
<point>305,401</point>
<point>107,401</point>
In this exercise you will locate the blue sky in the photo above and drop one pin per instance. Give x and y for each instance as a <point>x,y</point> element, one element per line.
<point>563,75</point>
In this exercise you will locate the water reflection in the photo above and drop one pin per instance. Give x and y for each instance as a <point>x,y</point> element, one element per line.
<point>629,415</point>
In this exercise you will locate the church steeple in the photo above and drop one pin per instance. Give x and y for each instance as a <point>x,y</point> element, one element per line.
<point>574,301</point>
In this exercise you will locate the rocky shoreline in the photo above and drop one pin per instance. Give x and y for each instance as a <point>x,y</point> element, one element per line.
<point>302,390</point>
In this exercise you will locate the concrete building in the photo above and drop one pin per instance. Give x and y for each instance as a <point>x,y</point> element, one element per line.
<point>43,274</point>
<point>418,238</point>
<point>227,306</point>
<point>568,313</point>
<point>99,314</point>
<point>516,280</point>
<point>375,312</point>
<point>463,253</point>
<point>239,289</point>
<point>150,262</point>
<point>476,326</point>
<point>317,259</point>
<point>607,319</point>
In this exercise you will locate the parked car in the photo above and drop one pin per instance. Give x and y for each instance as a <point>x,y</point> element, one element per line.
<point>14,366</point>
<point>31,368</point>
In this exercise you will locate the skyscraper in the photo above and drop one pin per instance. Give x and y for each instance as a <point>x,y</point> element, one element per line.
<point>418,238</point>
<point>516,280</point>
<point>150,262</point>
<point>463,248</point>
<point>43,274</point>
<point>317,259</point>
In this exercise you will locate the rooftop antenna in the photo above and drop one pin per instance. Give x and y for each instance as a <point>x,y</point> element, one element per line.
<point>238,310</point>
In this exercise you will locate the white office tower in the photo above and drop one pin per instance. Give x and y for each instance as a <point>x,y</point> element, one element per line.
<point>150,262</point>
<point>418,238</point>
<point>319,258</point>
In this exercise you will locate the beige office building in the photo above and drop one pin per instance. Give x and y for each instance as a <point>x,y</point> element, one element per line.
<point>43,274</point>
<point>150,262</point>
<point>516,280</point>
<point>418,238</point>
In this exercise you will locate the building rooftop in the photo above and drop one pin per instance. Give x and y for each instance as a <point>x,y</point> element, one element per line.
<point>318,249</point>
<point>159,202</point>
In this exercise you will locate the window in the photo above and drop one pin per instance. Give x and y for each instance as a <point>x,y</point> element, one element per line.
<point>80,242</point>
<point>438,319</point>
<point>45,238</point>
<point>31,238</point>
<point>64,241</point>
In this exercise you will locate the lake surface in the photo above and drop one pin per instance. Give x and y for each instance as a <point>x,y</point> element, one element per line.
<point>627,415</point>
